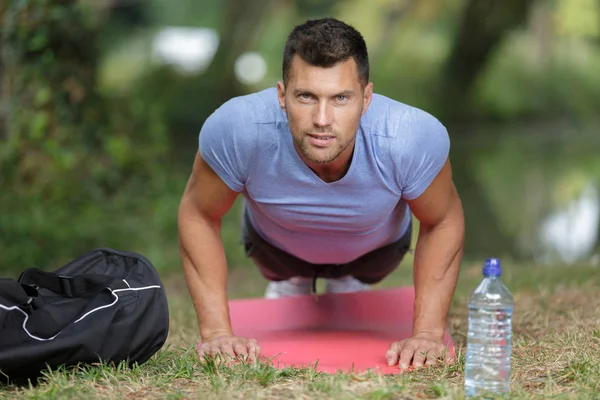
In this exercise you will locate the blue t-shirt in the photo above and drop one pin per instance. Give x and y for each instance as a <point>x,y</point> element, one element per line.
<point>399,150</point>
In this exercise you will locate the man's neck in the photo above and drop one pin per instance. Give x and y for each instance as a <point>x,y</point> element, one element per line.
<point>335,170</point>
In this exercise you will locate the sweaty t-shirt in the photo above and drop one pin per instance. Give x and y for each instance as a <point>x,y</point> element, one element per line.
<point>399,150</point>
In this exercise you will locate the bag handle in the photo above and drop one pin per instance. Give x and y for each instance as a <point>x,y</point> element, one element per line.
<point>76,286</point>
<point>13,291</point>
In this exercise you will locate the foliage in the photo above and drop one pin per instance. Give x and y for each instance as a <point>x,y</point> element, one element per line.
<point>98,141</point>
<point>69,150</point>
<point>578,18</point>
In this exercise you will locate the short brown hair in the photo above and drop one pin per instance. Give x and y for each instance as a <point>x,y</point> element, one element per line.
<point>324,43</point>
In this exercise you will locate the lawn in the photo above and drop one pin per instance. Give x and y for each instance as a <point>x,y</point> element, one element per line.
<point>556,350</point>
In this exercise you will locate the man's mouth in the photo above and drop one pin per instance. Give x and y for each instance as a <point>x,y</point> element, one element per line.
<point>321,137</point>
<point>321,140</point>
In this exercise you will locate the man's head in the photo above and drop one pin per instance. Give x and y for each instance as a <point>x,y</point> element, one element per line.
<point>325,89</point>
<point>324,43</point>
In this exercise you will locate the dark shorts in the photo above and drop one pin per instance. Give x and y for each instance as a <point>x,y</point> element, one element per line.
<point>276,264</point>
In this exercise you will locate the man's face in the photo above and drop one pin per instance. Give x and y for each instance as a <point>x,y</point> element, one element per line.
<point>324,106</point>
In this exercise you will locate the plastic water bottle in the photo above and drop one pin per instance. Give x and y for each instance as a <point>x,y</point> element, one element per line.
<point>489,339</point>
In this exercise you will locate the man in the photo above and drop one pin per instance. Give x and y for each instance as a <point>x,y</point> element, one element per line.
<point>330,173</point>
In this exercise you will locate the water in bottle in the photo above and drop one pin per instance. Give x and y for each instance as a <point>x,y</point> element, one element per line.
<point>487,367</point>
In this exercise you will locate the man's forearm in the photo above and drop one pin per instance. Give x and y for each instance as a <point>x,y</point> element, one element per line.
<point>205,270</point>
<point>436,268</point>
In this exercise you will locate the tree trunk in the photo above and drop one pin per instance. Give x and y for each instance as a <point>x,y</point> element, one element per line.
<point>483,234</point>
<point>313,9</point>
<point>484,25</point>
<point>4,99</point>
<point>394,16</point>
<point>238,33</point>
<point>4,90</point>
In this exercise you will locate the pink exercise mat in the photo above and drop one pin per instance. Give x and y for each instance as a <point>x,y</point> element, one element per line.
<point>339,332</point>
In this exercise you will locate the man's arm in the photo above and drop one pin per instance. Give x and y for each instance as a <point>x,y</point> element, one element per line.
<point>205,201</point>
<point>438,255</point>
<point>438,252</point>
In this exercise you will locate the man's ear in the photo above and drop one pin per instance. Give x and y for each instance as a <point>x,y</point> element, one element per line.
<point>281,95</point>
<point>367,96</point>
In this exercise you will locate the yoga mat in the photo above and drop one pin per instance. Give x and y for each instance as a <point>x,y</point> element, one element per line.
<point>339,332</point>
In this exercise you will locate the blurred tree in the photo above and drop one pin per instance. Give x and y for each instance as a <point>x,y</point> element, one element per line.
<point>238,31</point>
<point>484,234</point>
<point>57,116</point>
<point>189,99</point>
<point>483,25</point>
<point>126,12</point>
<point>3,82</point>
<point>312,9</point>
<point>241,27</point>
<point>578,18</point>
<point>68,148</point>
<point>393,15</point>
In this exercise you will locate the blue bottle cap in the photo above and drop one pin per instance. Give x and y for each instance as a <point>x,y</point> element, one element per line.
<point>492,267</point>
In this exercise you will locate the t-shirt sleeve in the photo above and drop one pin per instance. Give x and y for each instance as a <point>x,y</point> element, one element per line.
<point>227,142</point>
<point>423,148</point>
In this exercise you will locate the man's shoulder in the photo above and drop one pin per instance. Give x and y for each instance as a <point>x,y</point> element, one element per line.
<point>411,142</point>
<point>390,117</point>
<point>228,140</point>
<point>234,123</point>
<point>393,108</point>
<point>258,107</point>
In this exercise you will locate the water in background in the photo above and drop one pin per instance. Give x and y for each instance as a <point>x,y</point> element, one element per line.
<point>530,191</point>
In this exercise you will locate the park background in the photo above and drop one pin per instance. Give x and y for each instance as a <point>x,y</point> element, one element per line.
<point>101,103</point>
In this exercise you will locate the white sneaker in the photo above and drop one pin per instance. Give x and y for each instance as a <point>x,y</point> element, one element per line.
<point>346,284</point>
<point>296,286</point>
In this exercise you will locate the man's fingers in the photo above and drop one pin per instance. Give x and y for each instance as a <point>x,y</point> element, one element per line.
<point>418,351</point>
<point>436,354</point>
<point>217,354</point>
<point>254,349</point>
<point>406,356</point>
<point>204,351</point>
<point>431,360</point>
<point>392,354</point>
<point>240,348</point>
<point>201,352</point>
<point>419,357</point>
<point>226,349</point>
<point>446,355</point>
<point>427,355</point>
<point>207,351</point>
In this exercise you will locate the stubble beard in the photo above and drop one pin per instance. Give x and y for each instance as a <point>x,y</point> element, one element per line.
<point>324,156</point>
<point>301,141</point>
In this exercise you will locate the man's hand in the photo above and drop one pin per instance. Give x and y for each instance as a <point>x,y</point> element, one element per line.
<point>229,346</point>
<point>438,255</point>
<point>205,201</point>
<point>421,349</point>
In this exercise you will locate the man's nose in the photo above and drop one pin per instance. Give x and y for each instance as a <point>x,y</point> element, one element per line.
<point>322,116</point>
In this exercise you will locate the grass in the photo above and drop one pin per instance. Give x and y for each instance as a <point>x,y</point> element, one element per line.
<point>556,351</point>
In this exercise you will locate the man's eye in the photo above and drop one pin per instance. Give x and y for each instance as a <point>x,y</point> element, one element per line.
<point>341,98</point>
<point>305,96</point>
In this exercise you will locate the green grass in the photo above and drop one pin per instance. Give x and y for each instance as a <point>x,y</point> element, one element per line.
<point>555,351</point>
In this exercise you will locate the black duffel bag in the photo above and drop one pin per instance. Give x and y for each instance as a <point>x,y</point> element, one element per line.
<point>105,306</point>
